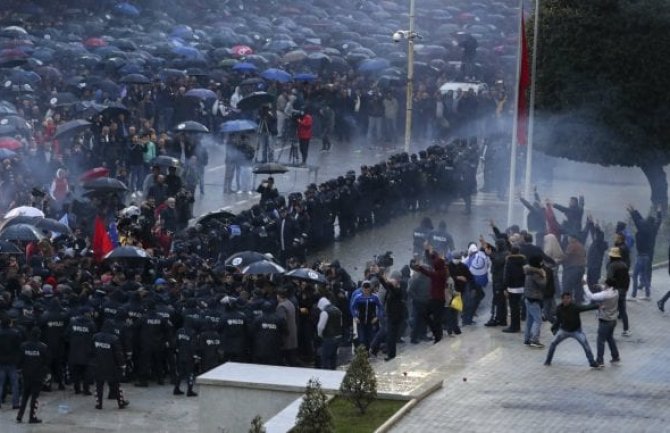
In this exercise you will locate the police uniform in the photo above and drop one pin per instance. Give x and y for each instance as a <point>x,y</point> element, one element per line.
<point>186,344</point>
<point>109,364</point>
<point>34,363</point>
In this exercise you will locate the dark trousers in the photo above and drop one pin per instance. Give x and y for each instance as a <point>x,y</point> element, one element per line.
<point>290,357</point>
<point>472,300</point>
<point>499,307</point>
<point>433,317</point>
<point>515,311</point>
<point>366,333</point>
<point>79,373</point>
<point>185,374</point>
<point>114,390</point>
<point>606,334</point>
<point>418,323</point>
<point>329,353</point>
<point>451,321</point>
<point>623,313</point>
<point>392,330</point>
<point>31,390</point>
<point>151,364</point>
<point>304,149</point>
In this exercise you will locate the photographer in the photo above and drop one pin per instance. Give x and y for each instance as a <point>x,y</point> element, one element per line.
<point>268,191</point>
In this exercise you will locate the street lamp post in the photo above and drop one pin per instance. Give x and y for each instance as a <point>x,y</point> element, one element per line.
<point>410,77</point>
<point>410,35</point>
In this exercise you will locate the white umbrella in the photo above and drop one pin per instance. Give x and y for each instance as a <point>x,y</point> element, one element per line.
<point>24,211</point>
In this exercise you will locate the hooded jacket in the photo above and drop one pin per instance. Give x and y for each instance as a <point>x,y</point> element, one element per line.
<point>536,280</point>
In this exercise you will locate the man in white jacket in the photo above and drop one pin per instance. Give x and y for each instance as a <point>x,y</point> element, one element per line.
<point>608,298</point>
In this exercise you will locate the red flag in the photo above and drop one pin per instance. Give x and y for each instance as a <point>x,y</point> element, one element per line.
<point>524,85</point>
<point>102,244</point>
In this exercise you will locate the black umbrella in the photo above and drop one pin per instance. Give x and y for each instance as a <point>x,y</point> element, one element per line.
<point>245,258</point>
<point>307,274</point>
<point>63,99</point>
<point>127,253</point>
<point>217,215</point>
<point>270,168</point>
<point>135,79</point>
<point>72,127</point>
<point>113,109</point>
<point>21,232</point>
<point>7,247</point>
<point>264,267</point>
<point>38,222</point>
<point>252,81</point>
<point>105,184</point>
<point>255,101</point>
<point>191,126</point>
<point>165,161</point>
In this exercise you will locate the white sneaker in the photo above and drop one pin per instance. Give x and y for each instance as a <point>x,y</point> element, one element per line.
<point>626,333</point>
<point>239,192</point>
<point>645,298</point>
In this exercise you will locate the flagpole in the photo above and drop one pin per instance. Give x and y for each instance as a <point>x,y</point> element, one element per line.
<point>531,112</point>
<point>515,127</point>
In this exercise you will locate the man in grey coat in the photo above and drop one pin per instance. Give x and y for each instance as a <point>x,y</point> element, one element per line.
<point>418,291</point>
<point>608,311</point>
<point>286,310</point>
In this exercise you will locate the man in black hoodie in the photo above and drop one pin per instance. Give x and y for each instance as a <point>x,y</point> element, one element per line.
<point>569,325</point>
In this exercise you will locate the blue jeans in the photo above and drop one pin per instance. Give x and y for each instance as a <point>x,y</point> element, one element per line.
<point>366,333</point>
<point>643,272</point>
<point>9,372</point>
<point>329,353</point>
<point>606,334</point>
<point>533,321</point>
<point>577,335</point>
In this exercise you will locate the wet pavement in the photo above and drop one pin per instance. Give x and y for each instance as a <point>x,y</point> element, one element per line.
<point>485,371</point>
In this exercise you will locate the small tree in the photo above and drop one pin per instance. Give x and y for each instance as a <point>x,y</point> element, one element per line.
<point>314,415</point>
<point>257,425</point>
<point>360,383</point>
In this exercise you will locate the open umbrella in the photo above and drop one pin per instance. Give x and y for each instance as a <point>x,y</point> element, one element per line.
<point>244,259</point>
<point>24,211</point>
<point>72,127</point>
<point>255,100</point>
<point>270,168</point>
<point>244,67</point>
<point>253,81</point>
<point>135,79</point>
<point>37,222</point>
<point>305,77</point>
<point>113,109</point>
<point>242,50</point>
<point>264,267</point>
<point>294,56</point>
<point>373,65</point>
<point>220,215</point>
<point>307,274</point>
<point>94,173</point>
<point>6,153</point>
<point>127,253</point>
<point>127,9</point>
<point>201,93</point>
<point>191,126</point>
<point>105,184</point>
<point>7,247</point>
<point>278,75</point>
<point>238,126</point>
<point>63,99</point>
<point>10,143</point>
<point>165,161</point>
<point>21,232</point>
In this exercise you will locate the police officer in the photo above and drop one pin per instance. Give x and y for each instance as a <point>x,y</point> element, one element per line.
<point>187,344</point>
<point>210,349</point>
<point>329,329</point>
<point>110,364</point>
<point>53,324</point>
<point>154,330</point>
<point>80,333</point>
<point>34,363</point>
<point>10,342</point>
<point>441,240</point>
<point>421,235</point>
<point>267,333</point>
<point>235,326</point>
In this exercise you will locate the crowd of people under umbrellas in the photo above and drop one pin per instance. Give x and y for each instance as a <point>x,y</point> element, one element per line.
<point>68,318</point>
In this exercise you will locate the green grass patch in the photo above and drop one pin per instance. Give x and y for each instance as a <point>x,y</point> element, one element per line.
<point>347,419</point>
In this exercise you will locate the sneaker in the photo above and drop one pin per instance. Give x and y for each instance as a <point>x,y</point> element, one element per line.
<point>631,299</point>
<point>536,345</point>
<point>627,333</point>
<point>510,330</point>
<point>597,365</point>
<point>547,363</point>
<point>239,192</point>
<point>645,298</point>
<point>615,360</point>
<point>660,306</point>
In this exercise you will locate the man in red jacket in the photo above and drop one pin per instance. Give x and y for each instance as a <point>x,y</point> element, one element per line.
<point>438,274</point>
<point>304,135</point>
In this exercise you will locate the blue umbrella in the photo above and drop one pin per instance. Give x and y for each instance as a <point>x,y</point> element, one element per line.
<point>238,126</point>
<point>127,9</point>
<point>373,65</point>
<point>201,93</point>
<point>187,52</point>
<point>6,153</point>
<point>305,76</point>
<point>279,75</point>
<point>244,67</point>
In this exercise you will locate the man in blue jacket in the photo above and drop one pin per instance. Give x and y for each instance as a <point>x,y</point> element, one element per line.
<point>366,310</point>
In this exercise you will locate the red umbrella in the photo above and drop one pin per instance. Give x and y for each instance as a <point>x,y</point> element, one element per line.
<point>95,42</point>
<point>94,173</point>
<point>242,50</point>
<point>10,143</point>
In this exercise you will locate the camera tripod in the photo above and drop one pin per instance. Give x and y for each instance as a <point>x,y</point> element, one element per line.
<point>264,151</point>
<point>294,154</point>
